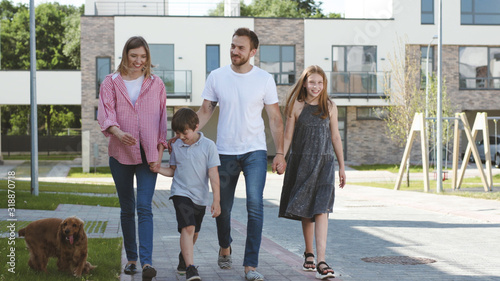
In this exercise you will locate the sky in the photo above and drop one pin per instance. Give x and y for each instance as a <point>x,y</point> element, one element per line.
<point>199,7</point>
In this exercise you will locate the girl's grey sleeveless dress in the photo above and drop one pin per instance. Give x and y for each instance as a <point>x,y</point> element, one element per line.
<point>309,184</point>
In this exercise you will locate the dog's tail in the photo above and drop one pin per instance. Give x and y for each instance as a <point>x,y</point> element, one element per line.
<point>22,232</point>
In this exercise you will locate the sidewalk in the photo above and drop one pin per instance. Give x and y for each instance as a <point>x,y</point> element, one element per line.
<point>374,234</point>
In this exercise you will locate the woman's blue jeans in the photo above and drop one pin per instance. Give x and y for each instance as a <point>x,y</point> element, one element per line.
<point>254,167</point>
<point>123,175</point>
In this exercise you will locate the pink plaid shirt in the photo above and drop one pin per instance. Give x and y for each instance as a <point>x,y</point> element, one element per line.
<point>146,121</point>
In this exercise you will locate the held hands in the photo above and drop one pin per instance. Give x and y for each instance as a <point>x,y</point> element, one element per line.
<point>154,167</point>
<point>279,164</point>
<point>215,209</point>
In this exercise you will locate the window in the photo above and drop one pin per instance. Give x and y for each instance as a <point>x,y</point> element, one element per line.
<point>280,62</point>
<point>423,64</point>
<point>103,68</point>
<point>354,70</point>
<point>162,58</point>
<point>212,57</point>
<point>479,12</point>
<point>479,68</point>
<point>427,12</point>
<point>371,113</point>
<point>95,112</point>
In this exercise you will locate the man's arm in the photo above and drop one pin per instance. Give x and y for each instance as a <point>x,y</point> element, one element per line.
<point>205,112</point>
<point>276,124</point>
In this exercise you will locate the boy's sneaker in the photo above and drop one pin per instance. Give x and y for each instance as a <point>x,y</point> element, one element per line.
<point>181,268</point>
<point>192,273</point>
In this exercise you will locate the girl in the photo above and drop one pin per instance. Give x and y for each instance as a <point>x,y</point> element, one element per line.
<point>130,94</point>
<point>308,188</point>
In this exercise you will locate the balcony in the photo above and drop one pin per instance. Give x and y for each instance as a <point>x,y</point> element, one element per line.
<point>360,84</point>
<point>178,83</point>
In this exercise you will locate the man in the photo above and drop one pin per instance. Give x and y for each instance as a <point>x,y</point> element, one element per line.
<point>242,91</point>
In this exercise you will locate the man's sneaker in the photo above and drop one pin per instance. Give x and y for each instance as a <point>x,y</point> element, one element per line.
<point>181,268</point>
<point>192,273</point>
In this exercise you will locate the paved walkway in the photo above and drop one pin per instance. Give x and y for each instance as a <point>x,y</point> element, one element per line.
<point>374,234</point>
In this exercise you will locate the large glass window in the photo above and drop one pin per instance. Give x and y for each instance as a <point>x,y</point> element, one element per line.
<point>479,12</point>
<point>424,63</point>
<point>427,12</point>
<point>354,58</point>
<point>280,62</point>
<point>212,57</point>
<point>479,67</point>
<point>103,68</point>
<point>162,58</point>
<point>371,113</point>
<point>354,69</point>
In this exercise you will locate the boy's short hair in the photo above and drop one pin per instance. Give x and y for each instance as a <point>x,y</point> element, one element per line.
<point>185,118</point>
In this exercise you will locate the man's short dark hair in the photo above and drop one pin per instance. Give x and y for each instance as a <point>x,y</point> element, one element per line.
<point>185,118</point>
<point>243,31</point>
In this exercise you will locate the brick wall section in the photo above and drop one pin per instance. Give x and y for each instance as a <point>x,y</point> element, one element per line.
<point>98,35</point>
<point>369,143</point>
<point>274,31</point>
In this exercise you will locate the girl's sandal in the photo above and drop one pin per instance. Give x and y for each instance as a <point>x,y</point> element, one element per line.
<point>324,272</point>
<point>308,265</point>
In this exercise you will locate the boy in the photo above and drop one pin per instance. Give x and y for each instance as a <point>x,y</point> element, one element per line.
<point>192,163</point>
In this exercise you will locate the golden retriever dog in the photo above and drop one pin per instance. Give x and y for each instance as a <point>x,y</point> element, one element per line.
<point>63,239</point>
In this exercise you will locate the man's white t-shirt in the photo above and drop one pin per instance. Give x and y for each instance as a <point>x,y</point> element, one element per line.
<point>241,98</point>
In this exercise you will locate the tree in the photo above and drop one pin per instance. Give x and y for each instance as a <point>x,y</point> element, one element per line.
<point>55,25</point>
<point>52,119</point>
<point>275,8</point>
<point>404,96</point>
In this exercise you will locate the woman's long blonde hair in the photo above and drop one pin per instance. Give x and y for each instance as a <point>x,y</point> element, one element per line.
<point>133,43</point>
<point>299,92</point>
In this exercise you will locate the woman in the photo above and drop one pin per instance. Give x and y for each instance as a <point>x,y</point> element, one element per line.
<point>132,113</point>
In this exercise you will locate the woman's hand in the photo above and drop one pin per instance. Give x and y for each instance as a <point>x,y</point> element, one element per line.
<point>123,137</point>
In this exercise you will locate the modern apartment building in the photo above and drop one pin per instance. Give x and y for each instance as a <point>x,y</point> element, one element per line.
<point>353,51</point>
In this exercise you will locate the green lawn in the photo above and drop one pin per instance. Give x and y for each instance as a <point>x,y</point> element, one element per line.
<point>100,172</point>
<point>52,194</point>
<point>50,201</point>
<point>471,187</point>
<point>41,156</point>
<point>62,187</point>
<point>104,253</point>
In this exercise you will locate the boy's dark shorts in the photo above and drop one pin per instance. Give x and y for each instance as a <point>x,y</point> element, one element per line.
<point>188,213</point>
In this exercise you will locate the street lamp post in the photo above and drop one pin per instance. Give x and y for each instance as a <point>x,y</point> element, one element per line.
<point>427,77</point>
<point>439,107</point>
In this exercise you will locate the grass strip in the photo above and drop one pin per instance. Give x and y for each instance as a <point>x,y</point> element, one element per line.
<point>104,253</point>
<point>61,187</point>
<point>50,201</point>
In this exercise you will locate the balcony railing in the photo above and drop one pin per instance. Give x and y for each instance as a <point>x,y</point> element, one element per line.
<point>483,83</point>
<point>356,84</point>
<point>178,83</point>
<point>149,8</point>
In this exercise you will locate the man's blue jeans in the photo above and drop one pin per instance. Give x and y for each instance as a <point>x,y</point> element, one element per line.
<point>123,175</point>
<point>254,167</point>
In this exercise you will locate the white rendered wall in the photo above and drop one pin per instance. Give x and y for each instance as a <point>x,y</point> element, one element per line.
<point>52,87</point>
<point>368,9</point>
<point>189,36</point>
